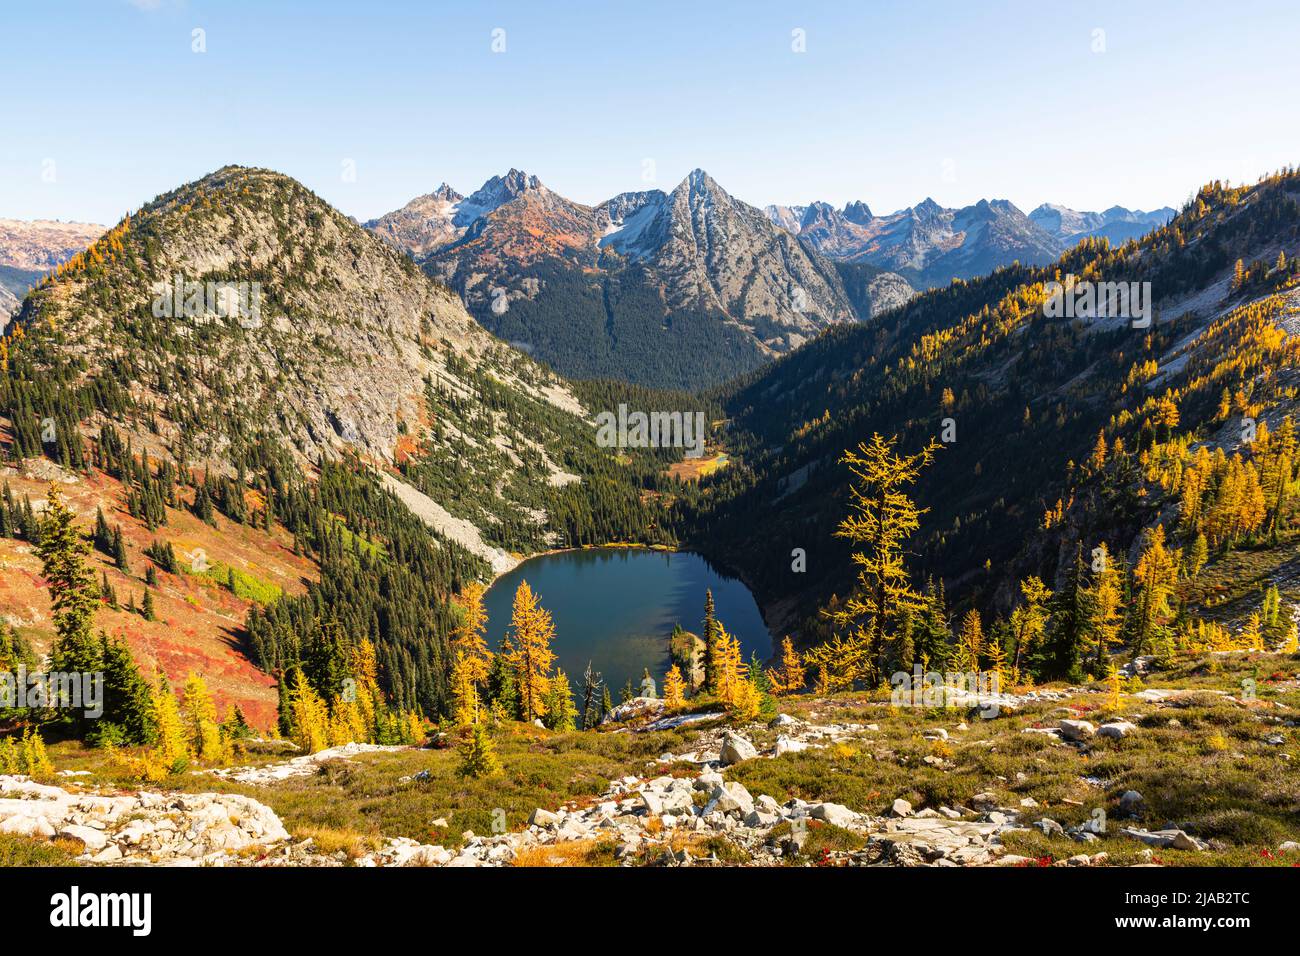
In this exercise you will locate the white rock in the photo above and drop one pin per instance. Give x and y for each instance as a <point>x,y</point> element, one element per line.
<point>788,745</point>
<point>835,814</point>
<point>543,818</point>
<point>1116,729</point>
<point>32,826</point>
<point>767,804</point>
<point>1130,800</point>
<point>736,748</point>
<point>731,796</point>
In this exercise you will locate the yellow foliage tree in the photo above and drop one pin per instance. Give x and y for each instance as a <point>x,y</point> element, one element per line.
<point>528,652</point>
<point>464,694</point>
<point>789,677</point>
<point>468,637</point>
<point>1105,618</point>
<point>881,518</point>
<point>970,639</point>
<point>311,719</point>
<point>673,689</point>
<point>201,726</point>
<point>1155,576</point>
<point>35,761</point>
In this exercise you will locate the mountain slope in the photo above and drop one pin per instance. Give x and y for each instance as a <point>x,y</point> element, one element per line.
<point>358,412</point>
<point>1028,395</point>
<point>677,289</point>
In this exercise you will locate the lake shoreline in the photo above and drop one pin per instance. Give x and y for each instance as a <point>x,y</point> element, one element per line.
<point>643,588</point>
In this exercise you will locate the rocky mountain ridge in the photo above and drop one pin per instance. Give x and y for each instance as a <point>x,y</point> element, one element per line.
<point>927,243</point>
<point>602,290</point>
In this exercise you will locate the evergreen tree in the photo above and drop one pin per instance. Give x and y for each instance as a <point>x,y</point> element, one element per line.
<point>478,756</point>
<point>561,715</point>
<point>710,643</point>
<point>119,552</point>
<point>63,552</point>
<point>128,708</point>
<point>1070,614</point>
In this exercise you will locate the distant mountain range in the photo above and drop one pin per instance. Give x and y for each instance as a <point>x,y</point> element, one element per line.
<point>1117,224</point>
<point>691,287</point>
<point>931,245</point>
<point>681,289</point>
<point>29,249</point>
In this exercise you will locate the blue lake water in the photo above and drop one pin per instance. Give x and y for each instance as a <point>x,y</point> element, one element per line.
<point>616,607</point>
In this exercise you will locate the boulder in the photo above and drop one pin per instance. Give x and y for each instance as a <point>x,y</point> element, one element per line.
<point>32,826</point>
<point>736,748</point>
<point>543,818</point>
<point>901,808</point>
<point>1116,728</point>
<point>636,707</point>
<point>788,745</point>
<point>730,796</point>
<point>1172,839</point>
<point>1130,800</point>
<point>834,813</point>
<point>708,780</point>
<point>1076,729</point>
<point>677,800</point>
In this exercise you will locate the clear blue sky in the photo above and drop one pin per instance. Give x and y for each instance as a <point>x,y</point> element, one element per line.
<point>891,102</point>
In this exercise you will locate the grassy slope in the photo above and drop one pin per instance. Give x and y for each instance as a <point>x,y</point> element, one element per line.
<point>1212,772</point>
<point>198,619</point>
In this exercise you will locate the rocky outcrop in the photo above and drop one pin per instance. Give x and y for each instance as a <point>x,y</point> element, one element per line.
<point>143,828</point>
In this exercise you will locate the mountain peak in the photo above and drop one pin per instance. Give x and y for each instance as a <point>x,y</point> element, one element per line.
<point>446,193</point>
<point>698,181</point>
<point>858,212</point>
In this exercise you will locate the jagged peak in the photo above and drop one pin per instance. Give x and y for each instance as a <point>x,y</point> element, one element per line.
<point>445,192</point>
<point>858,212</point>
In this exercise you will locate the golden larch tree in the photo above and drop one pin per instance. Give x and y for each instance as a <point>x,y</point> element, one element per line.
<point>881,519</point>
<point>528,652</point>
